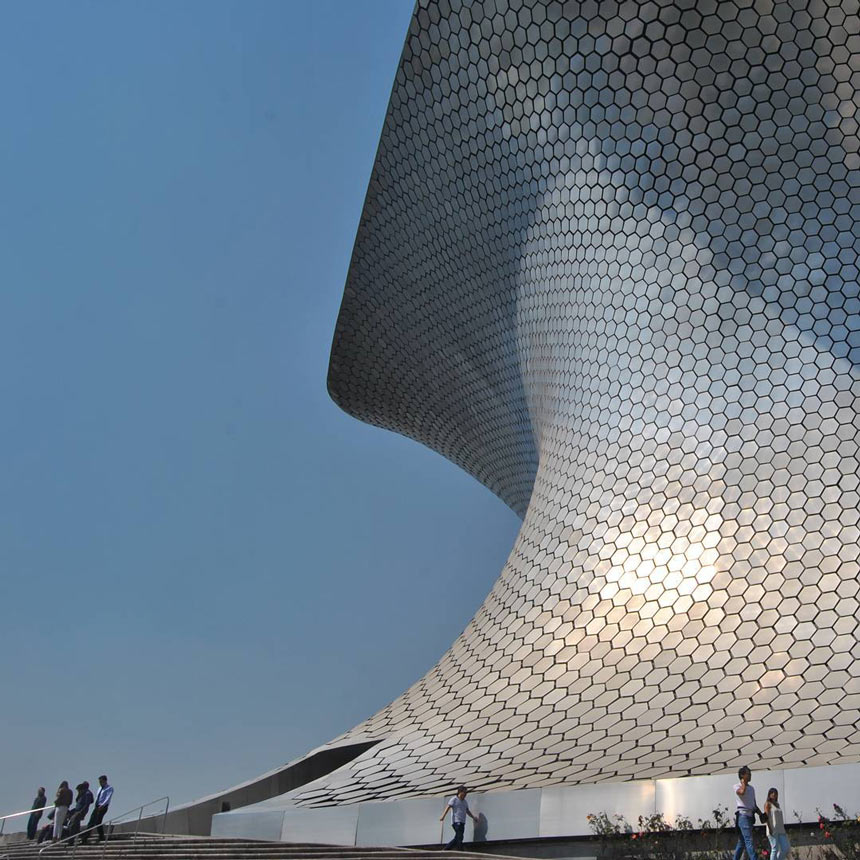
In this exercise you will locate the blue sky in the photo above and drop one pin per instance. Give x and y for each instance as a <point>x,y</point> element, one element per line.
<point>208,569</point>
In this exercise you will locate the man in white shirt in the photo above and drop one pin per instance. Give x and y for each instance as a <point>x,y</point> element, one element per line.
<point>745,811</point>
<point>460,810</point>
<point>103,799</point>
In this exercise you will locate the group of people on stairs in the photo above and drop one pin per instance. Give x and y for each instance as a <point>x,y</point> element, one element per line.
<point>69,811</point>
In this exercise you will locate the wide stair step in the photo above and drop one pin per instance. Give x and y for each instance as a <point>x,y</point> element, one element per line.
<point>151,847</point>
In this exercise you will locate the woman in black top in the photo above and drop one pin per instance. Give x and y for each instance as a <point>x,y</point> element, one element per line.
<point>61,808</point>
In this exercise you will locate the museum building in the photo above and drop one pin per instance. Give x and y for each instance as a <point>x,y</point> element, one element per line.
<point>608,265</point>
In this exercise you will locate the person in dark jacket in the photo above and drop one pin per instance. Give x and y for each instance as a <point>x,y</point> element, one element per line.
<point>61,808</point>
<point>83,802</point>
<point>39,804</point>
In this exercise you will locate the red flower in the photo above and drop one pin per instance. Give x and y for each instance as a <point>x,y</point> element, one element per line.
<point>826,835</point>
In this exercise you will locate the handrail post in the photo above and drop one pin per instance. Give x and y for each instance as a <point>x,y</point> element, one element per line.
<point>108,833</point>
<point>137,827</point>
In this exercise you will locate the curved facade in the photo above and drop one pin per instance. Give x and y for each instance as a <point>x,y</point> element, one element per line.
<point>608,264</point>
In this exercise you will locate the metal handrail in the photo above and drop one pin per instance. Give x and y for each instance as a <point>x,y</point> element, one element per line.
<point>16,814</point>
<point>111,823</point>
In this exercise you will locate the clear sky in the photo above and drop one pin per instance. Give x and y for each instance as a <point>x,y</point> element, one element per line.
<point>207,568</point>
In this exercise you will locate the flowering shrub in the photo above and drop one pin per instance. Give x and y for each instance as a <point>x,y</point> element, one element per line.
<point>605,825</point>
<point>654,837</point>
<point>837,837</point>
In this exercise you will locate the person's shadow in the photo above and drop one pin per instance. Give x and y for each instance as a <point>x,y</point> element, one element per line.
<point>481,827</point>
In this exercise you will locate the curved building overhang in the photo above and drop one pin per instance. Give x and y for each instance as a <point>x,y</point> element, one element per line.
<point>607,264</point>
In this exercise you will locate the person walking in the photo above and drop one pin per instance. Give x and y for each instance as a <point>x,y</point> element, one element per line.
<point>62,802</point>
<point>460,809</point>
<point>778,838</point>
<point>39,804</point>
<point>103,799</point>
<point>745,811</point>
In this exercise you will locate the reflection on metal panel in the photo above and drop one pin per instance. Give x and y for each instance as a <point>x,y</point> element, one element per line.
<point>811,789</point>
<point>336,825</point>
<point>249,825</point>
<point>507,814</point>
<point>565,810</point>
<point>697,797</point>
<point>405,822</point>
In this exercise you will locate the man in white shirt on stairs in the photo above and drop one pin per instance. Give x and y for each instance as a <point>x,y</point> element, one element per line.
<point>460,811</point>
<point>103,799</point>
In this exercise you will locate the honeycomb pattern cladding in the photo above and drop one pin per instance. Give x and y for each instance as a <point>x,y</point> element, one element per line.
<point>608,264</point>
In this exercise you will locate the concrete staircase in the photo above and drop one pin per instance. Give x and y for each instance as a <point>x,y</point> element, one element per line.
<point>149,847</point>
